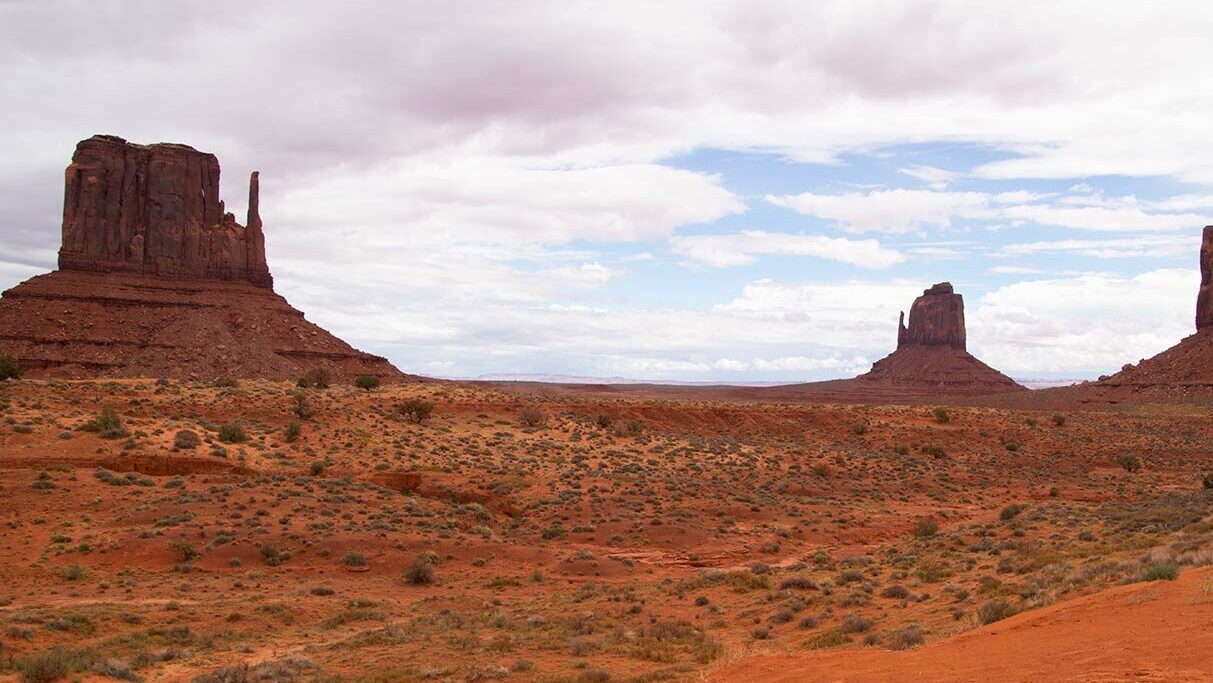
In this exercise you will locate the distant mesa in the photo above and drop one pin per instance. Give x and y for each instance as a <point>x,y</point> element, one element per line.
<point>156,279</point>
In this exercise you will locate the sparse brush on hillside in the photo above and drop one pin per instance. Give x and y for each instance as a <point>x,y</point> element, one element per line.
<point>416,410</point>
<point>232,433</point>
<point>185,440</point>
<point>421,571</point>
<point>302,409</point>
<point>926,527</point>
<point>107,424</point>
<point>532,416</point>
<point>1128,463</point>
<point>9,368</point>
<point>995,610</point>
<point>316,378</point>
<point>367,382</point>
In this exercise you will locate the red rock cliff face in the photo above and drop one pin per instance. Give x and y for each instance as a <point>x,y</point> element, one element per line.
<point>1204,297</point>
<point>155,210</point>
<point>937,318</point>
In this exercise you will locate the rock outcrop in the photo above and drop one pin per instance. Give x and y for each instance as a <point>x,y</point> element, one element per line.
<point>155,210</point>
<point>1204,296</point>
<point>937,318</point>
<point>157,280</point>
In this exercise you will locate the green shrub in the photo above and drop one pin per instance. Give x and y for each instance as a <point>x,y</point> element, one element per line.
<point>367,382</point>
<point>302,410</point>
<point>936,452</point>
<point>1011,512</point>
<point>416,410</point>
<point>316,468</point>
<point>828,639</point>
<point>853,623</point>
<point>9,368</point>
<point>352,559</point>
<point>532,416</point>
<point>926,527</point>
<point>292,431</point>
<point>1164,570</point>
<point>107,424</point>
<point>420,572</point>
<point>995,610</point>
<point>905,638</point>
<point>184,551</point>
<point>1208,480</point>
<point>273,555</point>
<point>1059,420</point>
<point>225,382</point>
<point>186,440</point>
<point>50,665</point>
<point>316,378</point>
<point>942,416</point>
<point>73,572</point>
<point>860,428</point>
<point>232,433</point>
<point>1129,463</point>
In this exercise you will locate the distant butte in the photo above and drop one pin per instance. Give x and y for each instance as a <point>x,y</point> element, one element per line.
<point>156,279</point>
<point>931,353</point>
<point>931,362</point>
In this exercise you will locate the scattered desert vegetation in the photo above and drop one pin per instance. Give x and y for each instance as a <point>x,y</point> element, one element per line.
<point>435,531</point>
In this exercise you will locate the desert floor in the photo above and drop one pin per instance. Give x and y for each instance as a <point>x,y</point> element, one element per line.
<point>322,534</point>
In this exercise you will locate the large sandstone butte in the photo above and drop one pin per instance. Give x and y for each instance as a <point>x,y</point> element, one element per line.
<point>931,357</point>
<point>155,279</point>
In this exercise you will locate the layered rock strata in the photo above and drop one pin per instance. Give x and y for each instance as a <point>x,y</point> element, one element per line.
<point>156,279</point>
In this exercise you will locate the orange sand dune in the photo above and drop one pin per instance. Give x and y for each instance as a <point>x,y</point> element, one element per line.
<point>1160,631</point>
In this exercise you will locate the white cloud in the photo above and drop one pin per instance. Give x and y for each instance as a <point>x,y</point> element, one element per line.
<point>901,211</point>
<point>432,172</point>
<point>1098,218</point>
<point>1156,246</point>
<point>1084,324</point>
<point>1014,270</point>
<point>427,200</point>
<point>935,178</point>
<point>743,248</point>
<point>893,211</point>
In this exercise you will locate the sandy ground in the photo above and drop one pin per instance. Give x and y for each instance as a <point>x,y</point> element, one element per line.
<point>570,537</point>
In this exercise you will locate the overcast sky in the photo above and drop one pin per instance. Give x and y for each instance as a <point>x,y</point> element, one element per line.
<point>665,190</point>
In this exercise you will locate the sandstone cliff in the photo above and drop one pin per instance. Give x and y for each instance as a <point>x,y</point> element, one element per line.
<point>1204,296</point>
<point>937,318</point>
<point>157,280</point>
<point>155,210</point>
